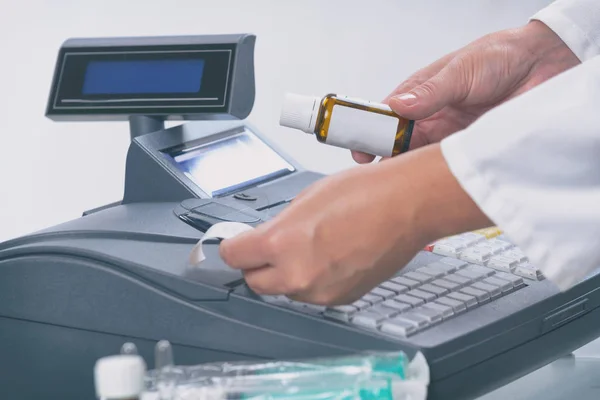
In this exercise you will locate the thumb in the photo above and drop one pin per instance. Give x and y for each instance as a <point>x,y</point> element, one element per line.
<point>446,88</point>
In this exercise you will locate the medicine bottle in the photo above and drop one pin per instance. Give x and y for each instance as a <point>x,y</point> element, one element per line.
<point>120,377</point>
<point>349,123</point>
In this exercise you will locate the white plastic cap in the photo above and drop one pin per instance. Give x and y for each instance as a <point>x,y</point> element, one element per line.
<point>299,112</point>
<point>119,377</point>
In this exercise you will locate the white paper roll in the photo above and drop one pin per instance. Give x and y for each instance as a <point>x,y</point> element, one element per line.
<point>220,231</point>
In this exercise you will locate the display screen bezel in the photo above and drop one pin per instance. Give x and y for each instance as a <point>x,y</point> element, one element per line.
<point>190,147</point>
<point>213,97</point>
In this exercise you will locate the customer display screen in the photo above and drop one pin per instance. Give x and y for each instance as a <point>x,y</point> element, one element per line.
<point>143,76</point>
<point>190,80</point>
<point>230,164</point>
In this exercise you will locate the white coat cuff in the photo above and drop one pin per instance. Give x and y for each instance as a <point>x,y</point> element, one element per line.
<point>506,213</point>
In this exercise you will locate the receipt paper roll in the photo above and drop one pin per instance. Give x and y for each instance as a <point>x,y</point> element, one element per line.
<point>220,231</point>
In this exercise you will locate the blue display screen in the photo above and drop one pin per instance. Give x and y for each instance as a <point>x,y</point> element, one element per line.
<point>143,77</point>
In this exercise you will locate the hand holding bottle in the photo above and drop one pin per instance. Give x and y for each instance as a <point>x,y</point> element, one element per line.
<point>451,93</point>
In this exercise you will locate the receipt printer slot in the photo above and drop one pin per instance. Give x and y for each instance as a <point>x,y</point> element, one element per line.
<point>204,213</point>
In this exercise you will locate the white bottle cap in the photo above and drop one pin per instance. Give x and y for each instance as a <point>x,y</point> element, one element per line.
<point>120,377</point>
<point>299,112</point>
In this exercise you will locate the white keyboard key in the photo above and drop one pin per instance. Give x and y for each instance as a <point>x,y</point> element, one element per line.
<point>500,241</point>
<point>409,283</point>
<point>416,276</point>
<point>340,313</point>
<point>413,301</point>
<point>337,316</point>
<point>472,275</point>
<point>445,249</point>
<point>505,286</point>
<point>445,268</point>
<point>431,271</point>
<point>459,279</point>
<point>495,246</point>
<point>396,305</point>
<point>476,272</point>
<point>491,250</point>
<point>431,315</point>
<point>372,298</point>
<point>515,254</point>
<point>361,304</point>
<point>493,290</point>
<point>502,263</point>
<point>386,294</point>
<point>458,264</point>
<point>437,290</point>
<point>516,281</point>
<point>419,321</point>
<point>459,240</point>
<point>479,294</point>
<point>457,305</point>
<point>394,287</point>
<point>445,310</point>
<point>397,327</point>
<point>345,309</point>
<point>422,294</point>
<point>367,319</point>
<point>446,284</point>
<point>470,301</point>
<point>449,247</point>
<point>439,269</point>
<point>485,271</point>
<point>529,271</point>
<point>476,255</point>
<point>385,312</point>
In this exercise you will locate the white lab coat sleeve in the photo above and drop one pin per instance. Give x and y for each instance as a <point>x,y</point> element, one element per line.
<point>577,23</point>
<point>532,165</point>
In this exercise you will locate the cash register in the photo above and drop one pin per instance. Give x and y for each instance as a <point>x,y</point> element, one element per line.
<point>473,304</point>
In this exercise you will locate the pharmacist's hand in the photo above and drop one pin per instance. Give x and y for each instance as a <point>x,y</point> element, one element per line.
<point>350,231</point>
<point>450,94</point>
<point>336,241</point>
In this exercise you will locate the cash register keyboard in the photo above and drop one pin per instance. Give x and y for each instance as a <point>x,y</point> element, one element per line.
<point>476,268</point>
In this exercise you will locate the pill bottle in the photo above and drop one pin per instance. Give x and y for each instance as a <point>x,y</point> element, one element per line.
<point>120,377</point>
<point>353,124</point>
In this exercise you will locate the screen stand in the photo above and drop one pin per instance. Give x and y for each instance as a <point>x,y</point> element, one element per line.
<point>140,125</point>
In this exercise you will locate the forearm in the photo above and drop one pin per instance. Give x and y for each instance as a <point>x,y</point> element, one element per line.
<point>430,197</point>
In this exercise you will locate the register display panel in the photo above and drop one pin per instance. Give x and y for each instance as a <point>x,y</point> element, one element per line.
<point>230,164</point>
<point>143,80</point>
<point>143,77</point>
<point>205,77</point>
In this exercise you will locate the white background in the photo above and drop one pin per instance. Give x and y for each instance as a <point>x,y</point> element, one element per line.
<point>51,172</point>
